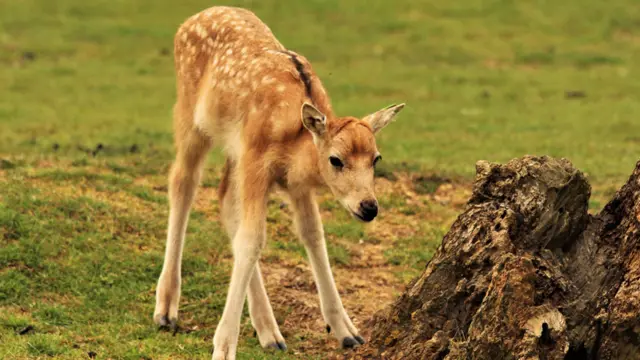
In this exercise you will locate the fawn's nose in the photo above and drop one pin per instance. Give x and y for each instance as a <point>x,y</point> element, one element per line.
<point>368,209</point>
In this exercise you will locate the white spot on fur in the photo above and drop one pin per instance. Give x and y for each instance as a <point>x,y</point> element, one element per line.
<point>268,79</point>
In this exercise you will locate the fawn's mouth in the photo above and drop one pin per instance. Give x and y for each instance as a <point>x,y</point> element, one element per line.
<point>360,217</point>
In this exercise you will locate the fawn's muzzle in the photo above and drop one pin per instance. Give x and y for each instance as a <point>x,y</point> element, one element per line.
<point>368,209</point>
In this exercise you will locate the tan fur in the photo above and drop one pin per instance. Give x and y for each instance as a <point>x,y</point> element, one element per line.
<point>240,89</point>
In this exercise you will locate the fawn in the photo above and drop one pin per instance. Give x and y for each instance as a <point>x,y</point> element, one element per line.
<point>238,87</point>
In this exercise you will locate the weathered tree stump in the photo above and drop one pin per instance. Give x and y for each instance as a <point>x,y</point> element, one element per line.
<point>525,273</point>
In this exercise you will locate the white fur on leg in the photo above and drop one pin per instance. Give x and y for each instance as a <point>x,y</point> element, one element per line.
<point>225,342</point>
<point>262,317</point>
<point>168,288</point>
<point>167,299</point>
<point>309,226</point>
<point>332,309</point>
<point>247,246</point>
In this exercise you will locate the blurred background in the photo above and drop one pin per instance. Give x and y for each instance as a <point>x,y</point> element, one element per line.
<point>86,91</point>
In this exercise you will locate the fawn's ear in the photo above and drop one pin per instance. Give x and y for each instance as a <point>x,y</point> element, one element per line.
<point>382,118</point>
<point>314,121</point>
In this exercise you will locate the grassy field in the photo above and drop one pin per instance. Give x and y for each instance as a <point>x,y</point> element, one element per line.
<point>86,90</point>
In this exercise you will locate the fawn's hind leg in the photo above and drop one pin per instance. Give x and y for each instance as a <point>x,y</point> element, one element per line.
<point>262,317</point>
<point>192,147</point>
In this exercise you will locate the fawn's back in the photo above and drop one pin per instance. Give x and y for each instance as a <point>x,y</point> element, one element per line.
<point>237,83</point>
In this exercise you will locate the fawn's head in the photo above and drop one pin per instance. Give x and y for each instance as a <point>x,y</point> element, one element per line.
<point>347,155</point>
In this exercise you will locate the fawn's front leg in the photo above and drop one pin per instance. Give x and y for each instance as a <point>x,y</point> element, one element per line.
<point>247,244</point>
<point>260,310</point>
<point>309,227</point>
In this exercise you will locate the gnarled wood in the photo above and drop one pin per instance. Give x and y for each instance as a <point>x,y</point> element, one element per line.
<point>524,273</point>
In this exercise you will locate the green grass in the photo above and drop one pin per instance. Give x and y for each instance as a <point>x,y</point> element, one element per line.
<point>482,79</point>
<point>84,270</point>
<point>86,90</point>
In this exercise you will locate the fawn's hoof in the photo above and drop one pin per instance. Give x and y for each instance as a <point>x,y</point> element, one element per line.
<point>164,323</point>
<point>280,345</point>
<point>351,342</point>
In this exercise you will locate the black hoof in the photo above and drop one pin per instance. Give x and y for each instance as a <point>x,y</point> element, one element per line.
<point>350,343</point>
<point>328,329</point>
<point>173,325</point>
<point>168,324</point>
<point>278,346</point>
<point>163,321</point>
<point>359,339</point>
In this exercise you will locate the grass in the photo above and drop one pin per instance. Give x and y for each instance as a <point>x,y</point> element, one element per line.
<point>86,90</point>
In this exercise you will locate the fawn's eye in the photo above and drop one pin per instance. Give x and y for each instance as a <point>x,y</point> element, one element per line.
<point>336,162</point>
<point>376,159</point>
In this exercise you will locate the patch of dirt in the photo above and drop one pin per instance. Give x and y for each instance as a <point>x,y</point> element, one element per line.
<point>294,297</point>
<point>367,284</point>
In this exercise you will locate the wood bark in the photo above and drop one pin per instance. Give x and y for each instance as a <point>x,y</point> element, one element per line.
<point>524,273</point>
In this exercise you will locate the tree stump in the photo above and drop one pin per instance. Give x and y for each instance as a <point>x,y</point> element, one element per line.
<point>524,273</point>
